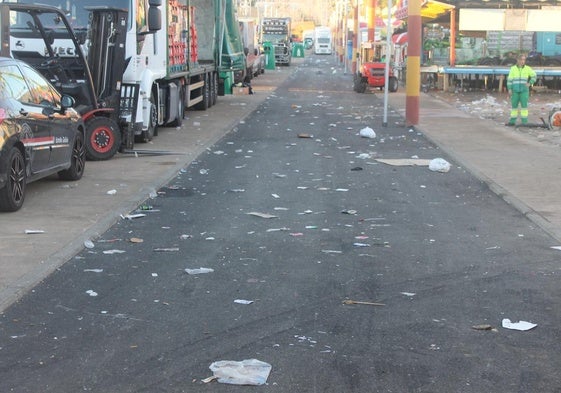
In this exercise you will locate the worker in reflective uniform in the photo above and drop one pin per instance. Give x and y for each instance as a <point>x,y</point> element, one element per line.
<point>520,78</point>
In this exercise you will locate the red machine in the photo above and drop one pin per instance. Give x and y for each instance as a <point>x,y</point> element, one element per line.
<point>373,75</point>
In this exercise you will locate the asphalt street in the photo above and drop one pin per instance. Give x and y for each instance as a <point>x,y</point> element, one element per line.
<point>294,214</point>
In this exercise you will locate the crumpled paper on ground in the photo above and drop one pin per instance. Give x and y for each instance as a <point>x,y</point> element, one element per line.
<point>439,165</point>
<point>520,325</point>
<point>367,132</point>
<point>246,372</point>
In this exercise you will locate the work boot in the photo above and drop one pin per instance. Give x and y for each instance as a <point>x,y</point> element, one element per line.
<point>511,122</point>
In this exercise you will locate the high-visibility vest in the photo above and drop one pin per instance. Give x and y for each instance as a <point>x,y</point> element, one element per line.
<point>518,77</point>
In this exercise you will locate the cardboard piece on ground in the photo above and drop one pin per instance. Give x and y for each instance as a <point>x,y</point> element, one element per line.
<point>404,161</point>
<point>240,91</point>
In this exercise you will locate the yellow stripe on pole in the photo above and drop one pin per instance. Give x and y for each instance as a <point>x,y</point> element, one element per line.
<point>413,79</point>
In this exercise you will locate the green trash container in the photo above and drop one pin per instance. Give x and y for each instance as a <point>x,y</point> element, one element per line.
<point>227,78</point>
<point>269,51</point>
<point>297,49</point>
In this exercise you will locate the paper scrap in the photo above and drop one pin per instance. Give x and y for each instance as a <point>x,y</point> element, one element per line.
<point>243,301</point>
<point>109,252</point>
<point>520,325</point>
<point>201,270</point>
<point>404,161</point>
<point>262,215</point>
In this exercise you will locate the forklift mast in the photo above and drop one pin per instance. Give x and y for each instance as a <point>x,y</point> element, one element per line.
<point>106,53</point>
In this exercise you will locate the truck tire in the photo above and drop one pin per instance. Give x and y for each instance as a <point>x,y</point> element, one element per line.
<point>213,88</point>
<point>204,104</point>
<point>393,84</point>
<point>149,133</point>
<point>178,122</point>
<point>13,193</point>
<point>103,138</point>
<point>77,161</point>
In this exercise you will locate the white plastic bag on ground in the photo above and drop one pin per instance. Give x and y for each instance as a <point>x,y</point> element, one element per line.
<point>367,132</point>
<point>439,165</point>
<point>246,372</point>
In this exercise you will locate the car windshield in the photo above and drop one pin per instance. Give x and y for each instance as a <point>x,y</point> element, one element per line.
<point>76,11</point>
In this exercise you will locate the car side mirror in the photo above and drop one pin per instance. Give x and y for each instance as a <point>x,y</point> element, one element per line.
<point>66,102</point>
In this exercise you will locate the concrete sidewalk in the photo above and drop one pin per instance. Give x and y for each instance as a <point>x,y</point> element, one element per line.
<point>517,167</point>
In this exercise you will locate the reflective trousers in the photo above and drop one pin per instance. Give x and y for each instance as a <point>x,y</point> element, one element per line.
<point>522,100</point>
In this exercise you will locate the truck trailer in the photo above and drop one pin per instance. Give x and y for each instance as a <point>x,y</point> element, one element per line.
<point>149,60</point>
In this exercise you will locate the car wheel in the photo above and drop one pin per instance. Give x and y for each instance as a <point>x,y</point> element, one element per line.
<point>13,194</point>
<point>103,138</point>
<point>77,161</point>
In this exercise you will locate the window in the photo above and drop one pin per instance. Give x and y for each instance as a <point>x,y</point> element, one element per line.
<point>12,84</point>
<point>41,91</point>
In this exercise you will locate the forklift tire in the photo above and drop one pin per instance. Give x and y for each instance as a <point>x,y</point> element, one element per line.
<point>204,104</point>
<point>360,85</point>
<point>103,138</point>
<point>393,84</point>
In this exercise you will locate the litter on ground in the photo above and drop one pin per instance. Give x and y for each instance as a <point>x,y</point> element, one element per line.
<point>520,325</point>
<point>245,372</point>
<point>439,165</point>
<point>367,132</point>
<point>364,303</point>
<point>262,215</point>
<point>404,161</point>
<point>201,270</point>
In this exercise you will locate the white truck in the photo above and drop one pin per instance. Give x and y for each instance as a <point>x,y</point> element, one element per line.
<point>323,43</point>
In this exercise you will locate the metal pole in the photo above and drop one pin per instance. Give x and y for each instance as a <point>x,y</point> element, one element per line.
<point>389,29</point>
<point>345,35</point>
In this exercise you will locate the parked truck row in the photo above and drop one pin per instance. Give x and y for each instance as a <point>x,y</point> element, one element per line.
<point>147,62</point>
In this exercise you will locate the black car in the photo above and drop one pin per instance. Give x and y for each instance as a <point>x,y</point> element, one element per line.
<point>40,133</point>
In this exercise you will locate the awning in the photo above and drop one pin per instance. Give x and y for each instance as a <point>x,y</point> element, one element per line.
<point>399,39</point>
<point>430,9</point>
<point>383,22</point>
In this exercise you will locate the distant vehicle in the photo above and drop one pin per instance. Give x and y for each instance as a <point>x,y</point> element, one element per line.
<point>373,74</point>
<point>308,39</point>
<point>323,44</point>
<point>40,133</point>
<point>276,31</point>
